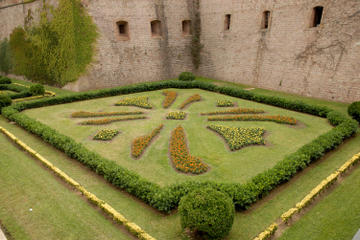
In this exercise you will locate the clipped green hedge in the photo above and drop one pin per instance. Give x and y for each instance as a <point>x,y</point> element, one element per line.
<point>37,89</point>
<point>167,198</point>
<point>207,212</point>
<point>354,111</point>
<point>5,80</point>
<point>21,92</point>
<point>5,101</point>
<point>186,76</point>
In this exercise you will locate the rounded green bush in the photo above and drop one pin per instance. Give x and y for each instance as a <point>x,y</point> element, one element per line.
<point>5,80</point>
<point>354,111</point>
<point>186,76</point>
<point>37,89</point>
<point>5,101</point>
<point>207,212</point>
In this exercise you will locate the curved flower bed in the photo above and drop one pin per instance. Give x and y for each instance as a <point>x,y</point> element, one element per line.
<point>192,99</point>
<point>110,120</point>
<point>176,115</point>
<point>83,114</point>
<point>180,155</point>
<point>235,111</point>
<point>106,134</point>
<point>277,119</point>
<point>237,137</point>
<point>142,102</point>
<point>139,145</point>
<point>170,97</point>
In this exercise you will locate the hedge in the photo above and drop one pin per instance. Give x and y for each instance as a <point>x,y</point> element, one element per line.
<point>167,198</point>
<point>22,92</point>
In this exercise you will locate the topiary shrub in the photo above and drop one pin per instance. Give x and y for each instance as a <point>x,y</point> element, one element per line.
<point>37,89</point>
<point>5,101</point>
<point>5,80</point>
<point>186,76</point>
<point>354,111</point>
<point>207,212</point>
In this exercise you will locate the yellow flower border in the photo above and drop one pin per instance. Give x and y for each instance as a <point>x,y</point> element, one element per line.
<point>331,179</point>
<point>133,228</point>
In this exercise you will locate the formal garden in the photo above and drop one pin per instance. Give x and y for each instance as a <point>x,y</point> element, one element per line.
<point>179,159</point>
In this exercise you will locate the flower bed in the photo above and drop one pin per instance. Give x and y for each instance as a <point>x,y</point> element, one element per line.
<point>110,120</point>
<point>224,103</point>
<point>140,144</point>
<point>106,135</point>
<point>277,119</point>
<point>142,102</point>
<point>237,137</point>
<point>180,155</point>
<point>176,115</point>
<point>170,97</point>
<point>235,111</point>
<point>193,98</point>
<point>83,114</point>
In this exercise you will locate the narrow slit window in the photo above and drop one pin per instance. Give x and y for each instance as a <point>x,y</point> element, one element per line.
<point>156,28</point>
<point>265,20</point>
<point>227,21</point>
<point>186,27</point>
<point>317,16</point>
<point>123,28</point>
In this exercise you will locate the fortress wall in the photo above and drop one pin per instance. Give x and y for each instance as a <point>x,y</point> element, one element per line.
<point>289,56</point>
<point>142,57</point>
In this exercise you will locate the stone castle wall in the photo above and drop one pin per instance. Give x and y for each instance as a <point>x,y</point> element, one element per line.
<point>290,55</point>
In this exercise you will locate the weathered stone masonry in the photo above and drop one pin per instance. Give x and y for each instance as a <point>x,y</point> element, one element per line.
<point>289,55</point>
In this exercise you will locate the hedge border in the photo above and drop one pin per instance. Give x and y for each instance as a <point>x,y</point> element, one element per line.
<point>307,200</point>
<point>167,198</point>
<point>108,209</point>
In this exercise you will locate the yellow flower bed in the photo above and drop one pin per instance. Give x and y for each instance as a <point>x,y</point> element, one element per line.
<point>142,102</point>
<point>268,232</point>
<point>176,116</point>
<point>237,137</point>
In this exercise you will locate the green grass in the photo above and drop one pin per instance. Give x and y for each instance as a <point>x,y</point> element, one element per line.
<point>334,217</point>
<point>226,166</point>
<point>247,224</point>
<point>58,212</point>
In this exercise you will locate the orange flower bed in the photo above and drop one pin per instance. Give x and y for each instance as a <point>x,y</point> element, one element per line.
<point>235,111</point>
<point>170,97</point>
<point>139,144</point>
<point>83,114</point>
<point>277,119</point>
<point>180,155</point>
<point>110,120</point>
<point>193,98</point>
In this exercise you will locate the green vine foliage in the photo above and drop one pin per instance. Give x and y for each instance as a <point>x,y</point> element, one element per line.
<point>196,45</point>
<point>5,56</point>
<point>56,50</point>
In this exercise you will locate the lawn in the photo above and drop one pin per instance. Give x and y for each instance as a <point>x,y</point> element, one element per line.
<point>226,166</point>
<point>57,211</point>
<point>334,217</point>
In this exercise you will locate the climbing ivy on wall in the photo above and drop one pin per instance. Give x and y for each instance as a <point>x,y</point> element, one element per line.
<point>57,49</point>
<point>196,45</point>
<point>5,56</point>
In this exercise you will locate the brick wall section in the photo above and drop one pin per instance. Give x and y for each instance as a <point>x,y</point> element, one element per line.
<point>290,56</point>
